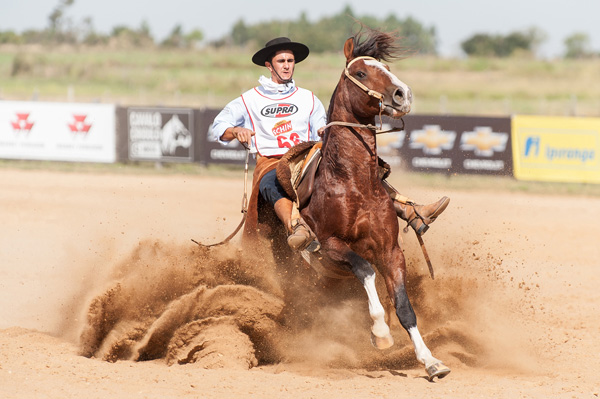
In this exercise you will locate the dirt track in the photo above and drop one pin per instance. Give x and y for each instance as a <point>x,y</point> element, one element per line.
<point>513,310</point>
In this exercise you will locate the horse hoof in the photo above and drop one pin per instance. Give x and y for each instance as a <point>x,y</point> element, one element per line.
<point>382,342</point>
<point>438,370</point>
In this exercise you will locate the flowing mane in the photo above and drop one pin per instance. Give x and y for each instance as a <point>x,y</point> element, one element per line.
<point>379,45</point>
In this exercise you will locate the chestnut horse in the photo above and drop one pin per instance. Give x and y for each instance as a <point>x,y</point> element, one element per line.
<point>350,211</point>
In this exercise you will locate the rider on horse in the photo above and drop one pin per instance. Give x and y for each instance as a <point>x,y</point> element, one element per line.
<point>277,115</point>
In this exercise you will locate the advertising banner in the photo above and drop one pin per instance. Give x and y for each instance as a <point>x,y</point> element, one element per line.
<point>559,149</point>
<point>57,131</point>
<point>455,144</point>
<point>160,134</point>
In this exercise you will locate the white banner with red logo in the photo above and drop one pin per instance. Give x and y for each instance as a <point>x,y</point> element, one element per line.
<point>57,131</point>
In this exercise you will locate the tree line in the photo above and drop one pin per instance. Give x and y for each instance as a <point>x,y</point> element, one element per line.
<point>325,35</point>
<point>63,30</point>
<point>328,34</point>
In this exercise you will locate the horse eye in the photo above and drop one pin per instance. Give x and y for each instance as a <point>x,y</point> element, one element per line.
<point>361,74</point>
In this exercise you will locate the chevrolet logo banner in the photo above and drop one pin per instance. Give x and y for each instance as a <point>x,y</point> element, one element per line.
<point>456,144</point>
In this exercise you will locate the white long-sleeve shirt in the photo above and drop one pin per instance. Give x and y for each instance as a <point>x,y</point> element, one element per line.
<point>281,115</point>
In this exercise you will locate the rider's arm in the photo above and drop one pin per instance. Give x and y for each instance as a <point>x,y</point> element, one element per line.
<point>241,133</point>
<point>232,122</point>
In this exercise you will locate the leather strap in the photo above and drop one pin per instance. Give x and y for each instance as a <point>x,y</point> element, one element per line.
<point>370,92</point>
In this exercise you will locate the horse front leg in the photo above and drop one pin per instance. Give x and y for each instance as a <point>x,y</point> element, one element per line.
<point>395,277</point>
<point>339,252</point>
<point>381,338</point>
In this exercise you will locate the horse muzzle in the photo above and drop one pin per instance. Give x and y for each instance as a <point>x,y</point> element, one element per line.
<point>400,104</point>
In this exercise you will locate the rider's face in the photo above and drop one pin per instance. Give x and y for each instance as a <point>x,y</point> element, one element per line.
<point>283,63</point>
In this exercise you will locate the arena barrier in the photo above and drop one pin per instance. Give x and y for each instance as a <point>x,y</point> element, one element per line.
<point>454,144</point>
<point>57,131</point>
<point>558,149</point>
<point>561,149</point>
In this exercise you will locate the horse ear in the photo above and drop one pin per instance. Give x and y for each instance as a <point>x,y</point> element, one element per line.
<point>349,49</point>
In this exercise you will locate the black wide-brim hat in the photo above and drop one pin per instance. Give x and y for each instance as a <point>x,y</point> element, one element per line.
<point>280,43</point>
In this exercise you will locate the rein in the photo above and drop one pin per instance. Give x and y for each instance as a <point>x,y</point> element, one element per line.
<point>369,126</point>
<point>372,93</point>
<point>244,205</point>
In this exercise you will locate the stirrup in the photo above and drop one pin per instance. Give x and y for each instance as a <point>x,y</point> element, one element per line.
<point>425,221</point>
<point>414,223</point>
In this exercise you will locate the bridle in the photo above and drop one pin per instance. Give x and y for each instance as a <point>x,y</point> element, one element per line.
<point>373,93</point>
<point>370,92</point>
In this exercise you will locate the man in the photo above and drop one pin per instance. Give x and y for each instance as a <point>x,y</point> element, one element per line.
<point>272,118</point>
<point>275,116</point>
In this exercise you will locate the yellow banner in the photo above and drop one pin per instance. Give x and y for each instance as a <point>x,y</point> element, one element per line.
<point>560,149</point>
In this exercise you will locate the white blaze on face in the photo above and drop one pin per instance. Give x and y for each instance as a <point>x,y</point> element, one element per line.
<point>393,78</point>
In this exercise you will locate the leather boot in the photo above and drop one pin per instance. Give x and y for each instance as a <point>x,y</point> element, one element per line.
<point>302,238</point>
<point>419,217</point>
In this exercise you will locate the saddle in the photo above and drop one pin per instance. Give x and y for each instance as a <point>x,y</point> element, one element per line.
<point>296,171</point>
<point>297,168</point>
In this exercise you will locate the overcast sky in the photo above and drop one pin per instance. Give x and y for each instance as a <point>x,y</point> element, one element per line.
<point>454,20</point>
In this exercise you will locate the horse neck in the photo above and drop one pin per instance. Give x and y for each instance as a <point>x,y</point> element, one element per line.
<point>350,149</point>
<point>340,108</point>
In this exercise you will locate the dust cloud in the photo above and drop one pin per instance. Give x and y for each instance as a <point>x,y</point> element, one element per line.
<point>222,308</point>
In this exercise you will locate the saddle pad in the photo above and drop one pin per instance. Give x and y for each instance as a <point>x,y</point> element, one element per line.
<point>289,169</point>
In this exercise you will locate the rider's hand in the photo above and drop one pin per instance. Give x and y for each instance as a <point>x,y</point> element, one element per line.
<point>242,134</point>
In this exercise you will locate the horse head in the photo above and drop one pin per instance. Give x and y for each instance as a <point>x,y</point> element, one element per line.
<point>369,76</point>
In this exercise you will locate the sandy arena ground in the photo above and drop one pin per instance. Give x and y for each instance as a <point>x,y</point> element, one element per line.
<point>513,311</point>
